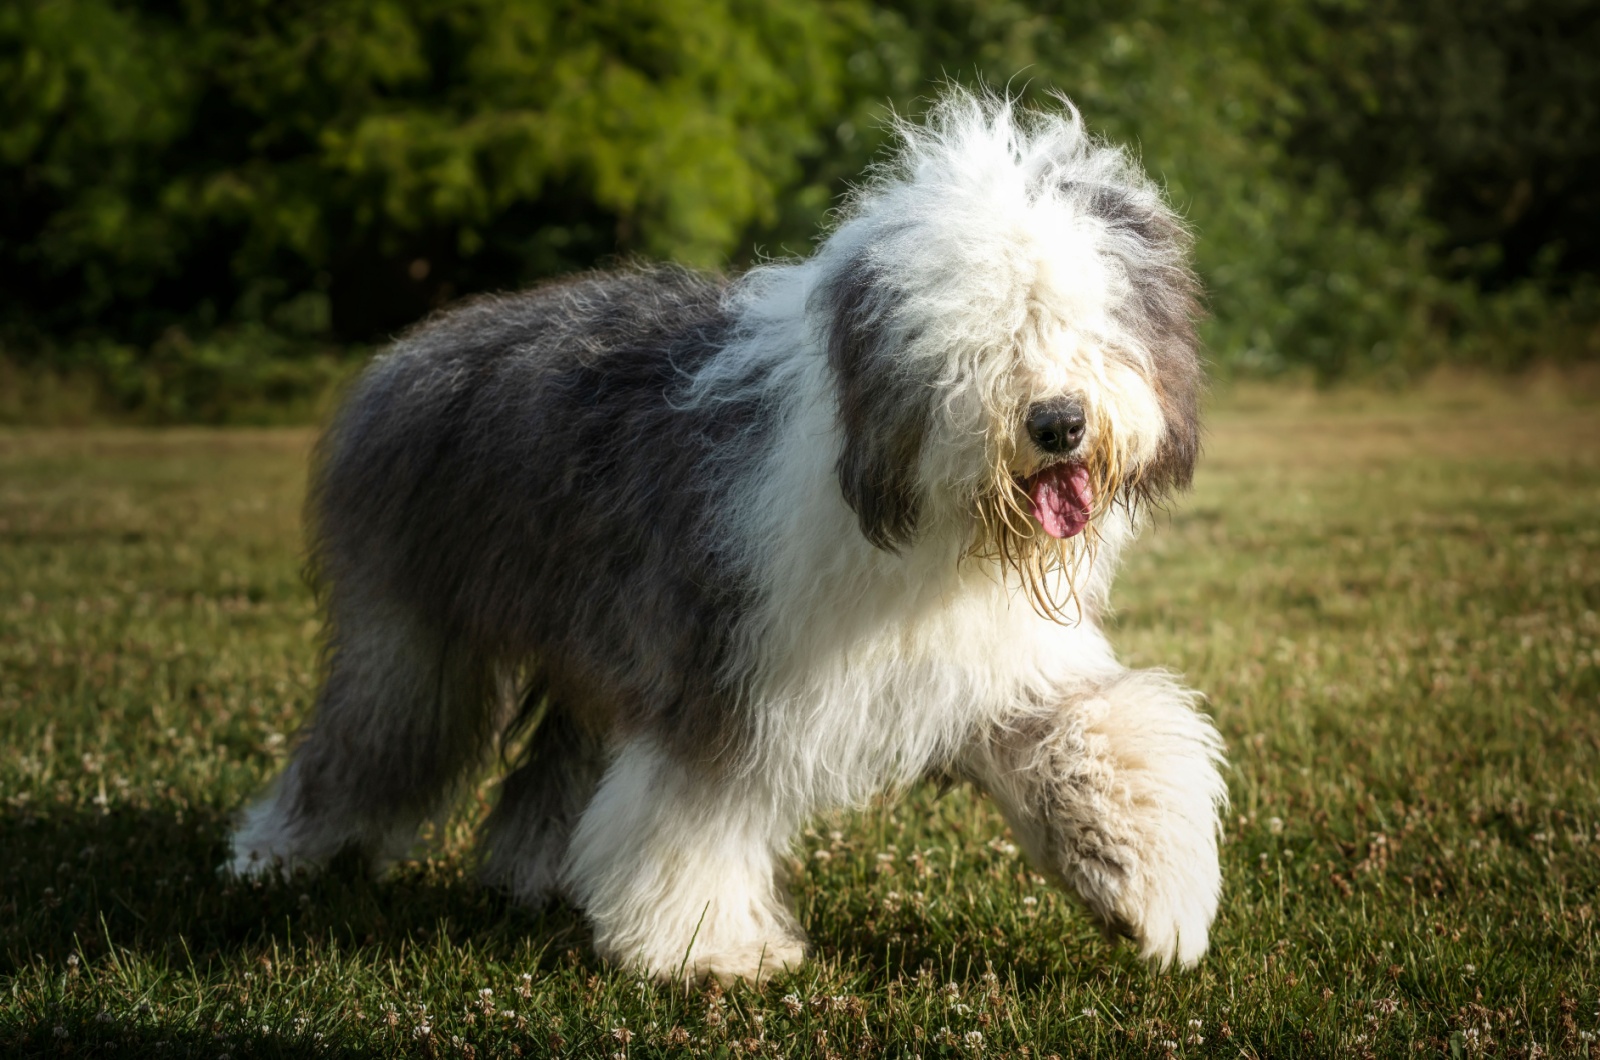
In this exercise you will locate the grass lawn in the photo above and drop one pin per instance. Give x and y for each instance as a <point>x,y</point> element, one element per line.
<point>1392,602</point>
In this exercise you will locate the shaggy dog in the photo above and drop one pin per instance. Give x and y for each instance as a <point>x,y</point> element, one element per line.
<point>757,548</point>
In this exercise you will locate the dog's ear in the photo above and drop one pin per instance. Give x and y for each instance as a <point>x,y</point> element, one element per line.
<point>1154,248</point>
<point>1169,312</point>
<point>1178,387</point>
<point>1168,296</point>
<point>883,411</point>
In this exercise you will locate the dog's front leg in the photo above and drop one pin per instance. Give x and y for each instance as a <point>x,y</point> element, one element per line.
<point>1115,791</point>
<point>675,865</point>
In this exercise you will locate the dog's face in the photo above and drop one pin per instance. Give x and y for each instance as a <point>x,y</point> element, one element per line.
<point>1009,315</point>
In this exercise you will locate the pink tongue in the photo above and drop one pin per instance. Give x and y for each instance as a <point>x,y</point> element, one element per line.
<point>1062,498</point>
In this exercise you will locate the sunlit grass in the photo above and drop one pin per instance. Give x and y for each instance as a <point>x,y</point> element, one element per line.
<point>1392,603</point>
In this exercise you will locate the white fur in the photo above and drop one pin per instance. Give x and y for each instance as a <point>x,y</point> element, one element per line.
<point>679,878</point>
<point>862,669</point>
<point>1116,794</point>
<point>866,668</point>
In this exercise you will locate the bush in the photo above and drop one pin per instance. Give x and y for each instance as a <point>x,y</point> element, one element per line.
<point>191,192</point>
<point>241,375</point>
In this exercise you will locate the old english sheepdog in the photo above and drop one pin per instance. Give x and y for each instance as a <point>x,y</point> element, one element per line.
<point>726,553</point>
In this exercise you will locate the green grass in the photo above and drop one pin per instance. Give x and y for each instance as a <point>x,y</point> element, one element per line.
<point>1392,602</point>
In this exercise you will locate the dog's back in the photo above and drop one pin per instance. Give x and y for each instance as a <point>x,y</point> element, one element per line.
<point>515,474</point>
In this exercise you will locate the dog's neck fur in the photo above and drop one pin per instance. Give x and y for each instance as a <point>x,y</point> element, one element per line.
<point>848,639</point>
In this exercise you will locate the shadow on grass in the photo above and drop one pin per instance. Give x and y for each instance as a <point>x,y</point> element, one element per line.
<point>140,886</point>
<point>134,897</point>
<point>146,881</point>
<point>1070,952</point>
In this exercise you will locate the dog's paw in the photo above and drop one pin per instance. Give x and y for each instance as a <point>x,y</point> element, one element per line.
<point>264,848</point>
<point>1168,909</point>
<point>248,861</point>
<point>754,963</point>
<point>1118,796</point>
<point>1158,882</point>
<point>253,865</point>
<point>1160,893</point>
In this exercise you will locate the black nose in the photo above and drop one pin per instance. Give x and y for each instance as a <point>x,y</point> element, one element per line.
<point>1056,426</point>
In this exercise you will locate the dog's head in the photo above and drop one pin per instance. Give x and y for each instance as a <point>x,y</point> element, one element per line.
<point>1008,312</point>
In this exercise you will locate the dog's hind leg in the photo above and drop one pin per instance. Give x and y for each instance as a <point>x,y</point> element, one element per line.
<point>540,802</point>
<point>402,716</point>
<point>1115,792</point>
<point>676,866</point>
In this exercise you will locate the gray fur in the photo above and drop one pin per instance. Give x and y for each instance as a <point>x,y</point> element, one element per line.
<point>883,411</point>
<point>403,714</point>
<point>512,477</point>
<point>540,803</point>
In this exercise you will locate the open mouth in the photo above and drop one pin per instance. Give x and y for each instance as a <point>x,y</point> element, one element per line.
<point>1062,498</point>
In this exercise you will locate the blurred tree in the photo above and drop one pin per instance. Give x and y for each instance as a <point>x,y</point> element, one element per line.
<point>1358,171</point>
<point>1488,109</point>
<point>356,162</point>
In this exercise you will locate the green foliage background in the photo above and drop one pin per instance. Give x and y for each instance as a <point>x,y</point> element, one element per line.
<point>206,206</point>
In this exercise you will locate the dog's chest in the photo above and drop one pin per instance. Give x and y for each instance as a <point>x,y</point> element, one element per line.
<point>861,701</point>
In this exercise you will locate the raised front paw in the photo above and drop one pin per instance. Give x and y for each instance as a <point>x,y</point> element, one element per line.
<point>1137,825</point>
<point>1117,794</point>
<point>1168,902</point>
